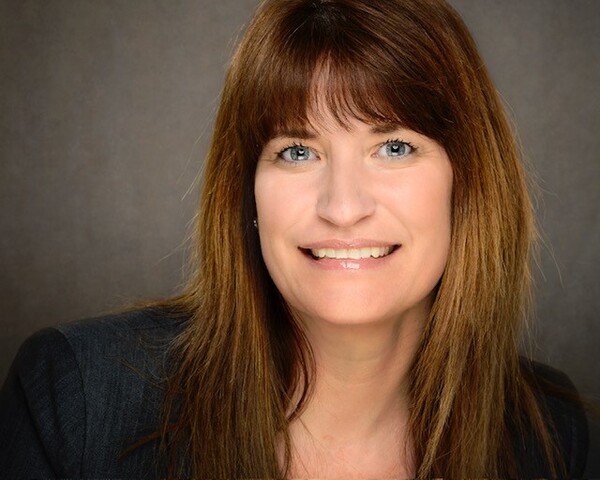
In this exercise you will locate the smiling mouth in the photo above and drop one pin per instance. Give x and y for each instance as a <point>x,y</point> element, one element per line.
<point>350,253</point>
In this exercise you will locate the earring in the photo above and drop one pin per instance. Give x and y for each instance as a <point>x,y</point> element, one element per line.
<point>255,223</point>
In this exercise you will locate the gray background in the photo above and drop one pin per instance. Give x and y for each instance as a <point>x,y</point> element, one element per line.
<point>106,107</point>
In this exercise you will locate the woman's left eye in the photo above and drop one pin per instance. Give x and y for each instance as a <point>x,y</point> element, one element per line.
<point>395,149</point>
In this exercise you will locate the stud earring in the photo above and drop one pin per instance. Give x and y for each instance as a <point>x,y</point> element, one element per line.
<point>255,223</point>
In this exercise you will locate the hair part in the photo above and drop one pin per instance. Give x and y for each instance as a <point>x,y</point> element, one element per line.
<point>244,367</point>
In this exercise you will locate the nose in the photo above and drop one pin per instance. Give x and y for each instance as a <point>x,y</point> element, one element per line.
<point>345,197</point>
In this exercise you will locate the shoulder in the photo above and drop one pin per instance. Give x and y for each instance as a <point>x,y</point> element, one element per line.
<point>88,390</point>
<point>128,325</point>
<point>135,336</point>
<point>564,413</point>
<point>104,350</point>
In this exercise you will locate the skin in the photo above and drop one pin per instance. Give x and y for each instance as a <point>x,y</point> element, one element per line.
<point>360,186</point>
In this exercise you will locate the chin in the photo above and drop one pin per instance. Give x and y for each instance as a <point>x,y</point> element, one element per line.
<point>336,316</point>
<point>364,310</point>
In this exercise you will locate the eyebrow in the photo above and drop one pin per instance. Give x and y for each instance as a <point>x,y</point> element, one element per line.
<point>306,134</point>
<point>385,128</point>
<point>303,133</point>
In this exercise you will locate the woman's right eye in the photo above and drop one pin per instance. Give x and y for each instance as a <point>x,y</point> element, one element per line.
<point>296,153</point>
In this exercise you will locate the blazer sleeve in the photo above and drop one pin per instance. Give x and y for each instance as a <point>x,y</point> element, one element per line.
<point>566,418</point>
<point>42,411</point>
<point>569,419</point>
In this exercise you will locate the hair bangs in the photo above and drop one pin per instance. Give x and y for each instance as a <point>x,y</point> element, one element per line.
<point>323,61</point>
<point>343,86</point>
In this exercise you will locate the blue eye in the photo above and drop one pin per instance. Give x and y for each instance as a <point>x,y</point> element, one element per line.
<point>395,149</point>
<point>297,153</point>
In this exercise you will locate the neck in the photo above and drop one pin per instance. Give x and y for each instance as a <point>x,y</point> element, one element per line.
<point>361,373</point>
<point>360,397</point>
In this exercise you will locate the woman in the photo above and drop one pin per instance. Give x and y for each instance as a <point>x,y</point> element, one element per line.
<point>362,274</point>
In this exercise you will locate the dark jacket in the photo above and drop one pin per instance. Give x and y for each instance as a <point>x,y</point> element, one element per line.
<point>78,395</point>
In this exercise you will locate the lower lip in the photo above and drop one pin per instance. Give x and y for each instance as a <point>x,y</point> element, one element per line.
<point>350,264</point>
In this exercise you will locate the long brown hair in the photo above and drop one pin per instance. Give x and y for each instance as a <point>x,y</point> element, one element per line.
<point>242,356</point>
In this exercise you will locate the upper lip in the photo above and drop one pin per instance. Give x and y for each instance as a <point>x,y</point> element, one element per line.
<point>347,244</point>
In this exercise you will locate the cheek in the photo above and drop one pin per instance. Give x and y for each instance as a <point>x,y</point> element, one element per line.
<point>427,216</point>
<point>272,203</point>
<point>277,211</point>
<point>268,210</point>
<point>424,202</point>
<point>282,199</point>
<point>432,209</point>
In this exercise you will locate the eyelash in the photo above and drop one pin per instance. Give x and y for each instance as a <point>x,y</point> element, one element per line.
<point>292,145</point>
<point>412,148</point>
<point>296,144</point>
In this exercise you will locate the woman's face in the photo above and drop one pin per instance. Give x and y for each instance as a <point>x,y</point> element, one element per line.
<point>354,223</point>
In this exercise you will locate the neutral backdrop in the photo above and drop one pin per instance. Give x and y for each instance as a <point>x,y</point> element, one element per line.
<point>106,108</point>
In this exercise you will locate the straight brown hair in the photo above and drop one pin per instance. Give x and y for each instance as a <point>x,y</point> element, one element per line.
<point>242,356</point>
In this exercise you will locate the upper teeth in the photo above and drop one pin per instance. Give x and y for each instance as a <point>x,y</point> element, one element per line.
<point>353,253</point>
